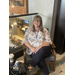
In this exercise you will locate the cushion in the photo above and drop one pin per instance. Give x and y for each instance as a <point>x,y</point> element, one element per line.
<point>50,58</point>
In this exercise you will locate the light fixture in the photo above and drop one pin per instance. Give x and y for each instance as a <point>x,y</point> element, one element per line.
<point>12,25</point>
<point>15,23</point>
<point>12,6</point>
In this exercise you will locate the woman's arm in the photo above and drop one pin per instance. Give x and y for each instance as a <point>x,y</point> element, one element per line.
<point>28,45</point>
<point>40,46</point>
<point>33,49</point>
<point>26,41</point>
<point>44,44</point>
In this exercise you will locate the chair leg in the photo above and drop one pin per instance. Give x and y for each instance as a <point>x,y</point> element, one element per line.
<point>52,66</point>
<point>24,56</point>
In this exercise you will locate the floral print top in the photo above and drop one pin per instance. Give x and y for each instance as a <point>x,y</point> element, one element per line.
<point>36,38</point>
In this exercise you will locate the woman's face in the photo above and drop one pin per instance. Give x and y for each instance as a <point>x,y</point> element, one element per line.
<point>36,22</point>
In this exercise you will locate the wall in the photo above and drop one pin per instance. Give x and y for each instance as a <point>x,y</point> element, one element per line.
<point>19,9</point>
<point>44,8</point>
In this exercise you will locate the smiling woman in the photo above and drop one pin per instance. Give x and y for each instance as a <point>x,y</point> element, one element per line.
<point>38,41</point>
<point>37,23</point>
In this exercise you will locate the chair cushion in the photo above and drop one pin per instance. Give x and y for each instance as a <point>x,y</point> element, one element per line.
<point>50,58</point>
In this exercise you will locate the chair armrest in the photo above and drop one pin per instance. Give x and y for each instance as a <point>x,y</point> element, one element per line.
<point>54,53</point>
<point>53,50</point>
<point>53,46</point>
<point>24,48</point>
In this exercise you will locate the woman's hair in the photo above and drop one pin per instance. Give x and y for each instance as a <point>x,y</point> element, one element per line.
<point>40,26</point>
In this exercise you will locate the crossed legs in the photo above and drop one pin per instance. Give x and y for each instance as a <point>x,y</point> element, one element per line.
<point>38,59</point>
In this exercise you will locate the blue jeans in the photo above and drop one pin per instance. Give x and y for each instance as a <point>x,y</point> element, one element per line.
<point>39,59</point>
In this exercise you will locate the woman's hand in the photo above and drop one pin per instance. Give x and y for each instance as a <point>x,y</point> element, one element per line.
<point>33,49</point>
<point>40,46</point>
<point>37,49</point>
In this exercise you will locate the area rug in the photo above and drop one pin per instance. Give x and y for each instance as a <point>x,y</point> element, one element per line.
<point>37,71</point>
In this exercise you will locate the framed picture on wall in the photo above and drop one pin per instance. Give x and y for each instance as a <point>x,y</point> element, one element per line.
<point>16,2</point>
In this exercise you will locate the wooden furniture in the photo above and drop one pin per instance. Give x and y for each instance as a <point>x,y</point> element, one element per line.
<point>52,63</point>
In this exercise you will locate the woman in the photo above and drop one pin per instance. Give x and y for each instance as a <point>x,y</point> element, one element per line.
<point>37,39</point>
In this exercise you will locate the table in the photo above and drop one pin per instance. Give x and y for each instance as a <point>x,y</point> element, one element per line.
<point>12,72</point>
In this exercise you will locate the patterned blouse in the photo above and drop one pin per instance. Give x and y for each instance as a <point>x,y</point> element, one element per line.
<point>36,38</point>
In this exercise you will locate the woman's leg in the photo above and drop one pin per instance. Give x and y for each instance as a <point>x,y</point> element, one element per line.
<point>46,51</point>
<point>42,64</point>
<point>43,67</point>
<point>38,59</point>
<point>42,53</point>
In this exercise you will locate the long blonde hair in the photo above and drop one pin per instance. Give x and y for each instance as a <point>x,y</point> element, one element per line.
<point>41,25</point>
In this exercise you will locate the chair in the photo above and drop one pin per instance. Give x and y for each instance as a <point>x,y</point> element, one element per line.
<point>49,60</point>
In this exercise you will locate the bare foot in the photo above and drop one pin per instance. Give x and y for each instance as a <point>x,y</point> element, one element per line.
<point>22,61</point>
<point>30,68</point>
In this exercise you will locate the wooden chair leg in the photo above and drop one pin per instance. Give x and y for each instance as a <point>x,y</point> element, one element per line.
<point>24,56</point>
<point>52,66</point>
